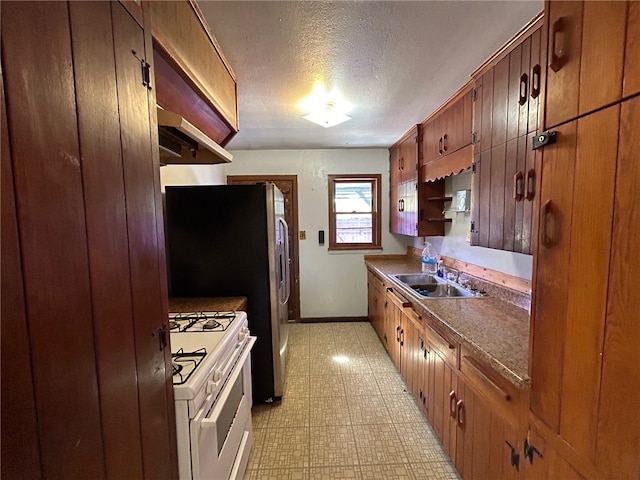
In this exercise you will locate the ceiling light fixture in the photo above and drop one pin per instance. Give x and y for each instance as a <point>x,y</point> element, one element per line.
<point>325,109</point>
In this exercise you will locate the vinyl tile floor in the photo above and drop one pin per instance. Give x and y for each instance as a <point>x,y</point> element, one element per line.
<point>345,413</point>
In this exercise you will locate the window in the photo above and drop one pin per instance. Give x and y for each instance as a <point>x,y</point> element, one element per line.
<point>354,212</point>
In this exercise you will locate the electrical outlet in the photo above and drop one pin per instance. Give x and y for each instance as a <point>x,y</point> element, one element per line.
<point>303,234</point>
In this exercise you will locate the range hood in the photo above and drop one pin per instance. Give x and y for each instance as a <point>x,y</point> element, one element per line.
<point>182,143</point>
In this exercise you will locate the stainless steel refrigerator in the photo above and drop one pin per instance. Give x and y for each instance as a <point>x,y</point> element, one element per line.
<point>232,240</point>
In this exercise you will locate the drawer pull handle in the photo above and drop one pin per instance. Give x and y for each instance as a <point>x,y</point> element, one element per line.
<point>558,55</point>
<point>461,413</point>
<point>474,363</point>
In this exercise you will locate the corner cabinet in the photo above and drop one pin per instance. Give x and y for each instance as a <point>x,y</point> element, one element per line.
<point>86,277</point>
<point>507,95</point>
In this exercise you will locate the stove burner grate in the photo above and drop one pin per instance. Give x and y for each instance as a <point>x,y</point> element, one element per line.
<point>201,321</point>
<point>185,363</point>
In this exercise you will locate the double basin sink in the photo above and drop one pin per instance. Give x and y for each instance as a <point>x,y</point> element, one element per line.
<point>431,286</point>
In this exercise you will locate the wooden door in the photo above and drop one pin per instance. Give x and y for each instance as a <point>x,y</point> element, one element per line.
<point>407,335</point>
<point>20,449</point>
<point>146,258</point>
<point>631,81</point>
<point>288,185</point>
<point>547,464</point>
<point>564,20</point>
<point>570,308</point>
<point>45,156</point>
<point>618,438</point>
<point>104,194</point>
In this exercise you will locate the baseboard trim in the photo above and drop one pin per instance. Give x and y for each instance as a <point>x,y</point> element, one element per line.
<point>333,319</point>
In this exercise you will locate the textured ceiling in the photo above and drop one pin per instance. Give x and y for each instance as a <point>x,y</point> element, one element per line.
<point>395,61</point>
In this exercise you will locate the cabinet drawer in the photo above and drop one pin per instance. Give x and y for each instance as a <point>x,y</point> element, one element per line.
<point>505,397</point>
<point>441,343</point>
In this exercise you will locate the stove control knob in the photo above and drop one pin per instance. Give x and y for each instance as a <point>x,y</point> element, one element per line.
<point>211,385</point>
<point>243,334</point>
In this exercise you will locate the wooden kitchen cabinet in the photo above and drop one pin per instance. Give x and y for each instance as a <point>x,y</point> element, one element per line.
<point>592,57</point>
<point>403,171</point>
<point>394,307</point>
<point>376,291</point>
<point>583,341</point>
<point>101,384</point>
<point>410,345</point>
<point>447,131</point>
<point>193,76</point>
<point>487,446</point>
<point>506,117</point>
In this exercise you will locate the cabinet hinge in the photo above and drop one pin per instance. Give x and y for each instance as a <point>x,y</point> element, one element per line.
<point>474,94</point>
<point>473,167</point>
<point>515,457</point>
<point>528,450</point>
<point>473,227</point>
<point>474,138</point>
<point>162,337</point>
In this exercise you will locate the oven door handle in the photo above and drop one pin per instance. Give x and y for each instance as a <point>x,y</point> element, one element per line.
<point>211,419</point>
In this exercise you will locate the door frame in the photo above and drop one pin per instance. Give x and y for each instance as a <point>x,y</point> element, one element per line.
<point>294,306</point>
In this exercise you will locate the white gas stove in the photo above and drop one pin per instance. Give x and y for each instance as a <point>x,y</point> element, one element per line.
<point>212,389</point>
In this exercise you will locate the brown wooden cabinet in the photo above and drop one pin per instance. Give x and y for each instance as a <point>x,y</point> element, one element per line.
<point>506,117</point>
<point>193,78</point>
<point>487,446</point>
<point>443,135</point>
<point>592,57</point>
<point>403,172</point>
<point>583,340</point>
<point>88,220</point>
<point>376,291</point>
<point>394,315</point>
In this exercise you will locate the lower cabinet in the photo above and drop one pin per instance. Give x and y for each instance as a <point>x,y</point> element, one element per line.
<point>376,292</point>
<point>487,446</point>
<point>478,416</point>
<point>394,306</point>
<point>542,462</point>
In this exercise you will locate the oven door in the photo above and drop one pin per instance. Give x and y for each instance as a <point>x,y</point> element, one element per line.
<point>221,434</point>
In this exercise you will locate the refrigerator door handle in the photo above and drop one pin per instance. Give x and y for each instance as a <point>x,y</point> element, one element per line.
<point>287,272</point>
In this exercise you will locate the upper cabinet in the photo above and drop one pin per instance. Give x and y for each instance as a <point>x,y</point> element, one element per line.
<point>444,137</point>
<point>507,93</point>
<point>593,58</point>
<point>403,172</point>
<point>193,78</point>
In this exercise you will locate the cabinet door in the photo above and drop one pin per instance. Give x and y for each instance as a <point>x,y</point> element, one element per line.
<point>618,440</point>
<point>586,50</point>
<point>394,209</point>
<point>46,160</point>
<point>407,335</point>
<point>548,464</point>
<point>409,149</point>
<point>146,251</point>
<point>564,20</point>
<point>431,140</point>
<point>631,82</point>
<point>578,179</point>
<point>20,449</point>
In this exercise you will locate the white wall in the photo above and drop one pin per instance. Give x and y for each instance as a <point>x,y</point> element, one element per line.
<point>332,284</point>
<point>454,243</point>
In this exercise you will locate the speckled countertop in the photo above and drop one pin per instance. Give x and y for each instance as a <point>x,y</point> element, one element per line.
<point>495,330</point>
<point>207,304</point>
